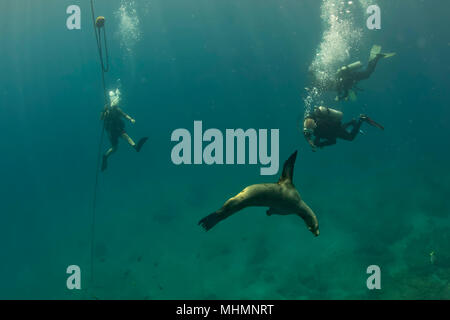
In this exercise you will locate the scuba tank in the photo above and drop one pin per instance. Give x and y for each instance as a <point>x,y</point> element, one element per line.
<point>351,67</point>
<point>354,65</point>
<point>328,113</point>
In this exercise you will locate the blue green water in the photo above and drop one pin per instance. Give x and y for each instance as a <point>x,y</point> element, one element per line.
<point>381,199</point>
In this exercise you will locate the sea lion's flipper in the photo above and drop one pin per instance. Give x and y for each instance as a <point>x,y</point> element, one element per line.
<point>210,221</point>
<point>288,168</point>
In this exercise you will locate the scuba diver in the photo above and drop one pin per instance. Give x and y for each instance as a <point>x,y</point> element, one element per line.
<point>115,127</point>
<point>325,123</point>
<point>348,76</point>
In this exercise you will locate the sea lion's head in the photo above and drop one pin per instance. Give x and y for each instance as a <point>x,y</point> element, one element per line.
<point>313,226</point>
<point>315,230</point>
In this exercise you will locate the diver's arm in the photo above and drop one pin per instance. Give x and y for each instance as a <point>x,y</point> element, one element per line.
<point>326,143</point>
<point>126,116</point>
<point>343,94</point>
<point>310,141</point>
<point>340,94</point>
<point>104,112</point>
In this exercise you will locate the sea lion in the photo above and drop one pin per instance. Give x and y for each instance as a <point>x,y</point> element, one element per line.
<point>281,198</point>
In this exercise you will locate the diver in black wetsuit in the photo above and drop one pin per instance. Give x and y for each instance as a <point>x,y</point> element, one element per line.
<point>115,127</point>
<point>348,76</point>
<point>325,124</point>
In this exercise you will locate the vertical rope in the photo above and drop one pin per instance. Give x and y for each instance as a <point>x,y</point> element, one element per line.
<point>104,69</point>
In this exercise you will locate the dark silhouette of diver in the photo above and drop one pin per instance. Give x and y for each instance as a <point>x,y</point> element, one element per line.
<point>325,124</point>
<point>115,127</point>
<point>348,76</point>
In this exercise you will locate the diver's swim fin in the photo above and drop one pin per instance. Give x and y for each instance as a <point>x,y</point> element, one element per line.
<point>140,144</point>
<point>388,55</point>
<point>104,163</point>
<point>374,52</point>
<point>373,123</point>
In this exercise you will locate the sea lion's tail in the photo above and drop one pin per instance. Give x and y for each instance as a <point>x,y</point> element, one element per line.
<point>210,221</point>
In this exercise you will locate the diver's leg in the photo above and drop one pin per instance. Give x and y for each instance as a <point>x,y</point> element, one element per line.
<point>327,142</point>
<point>356,128</point>
<point>127,138</point>
<point>110,151</point>
<point>349,136</point>
<point>344,135</point>
<point>130,141</point>
<point>343,95</point>
<point>348,124</point>
<point>106,155</point>
<point>369,70</point>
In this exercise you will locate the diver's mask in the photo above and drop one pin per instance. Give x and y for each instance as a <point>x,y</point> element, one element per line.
<point>114,98</point>
<point>308,132</point>
<point>308,126</point>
